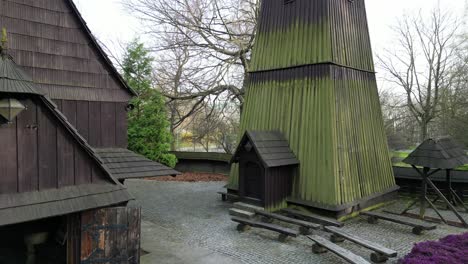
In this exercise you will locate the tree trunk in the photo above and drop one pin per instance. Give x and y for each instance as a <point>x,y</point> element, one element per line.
<point>423,131</point>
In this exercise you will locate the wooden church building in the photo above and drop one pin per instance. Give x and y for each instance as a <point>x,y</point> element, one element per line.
<point>63,140</point>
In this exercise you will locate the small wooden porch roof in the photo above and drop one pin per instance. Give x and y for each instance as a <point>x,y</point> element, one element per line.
<point>271,147</point>
<point>13,79</point>
<point>438,154</point>
<point>125,164</point>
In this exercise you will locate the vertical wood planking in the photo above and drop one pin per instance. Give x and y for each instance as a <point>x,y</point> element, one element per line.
<point>47,146</point>
<point>121,125</point>
<point>82,118</point>
<point>83,167</point>
<point>8,158</point>
<point>134,231</point>
<point>108,124</point>
<point>111,234</point>
<point>27,148</point>
<point>95,124</point>
<point>65,159</point>
<point>69,110</point>
<point>82,161</point>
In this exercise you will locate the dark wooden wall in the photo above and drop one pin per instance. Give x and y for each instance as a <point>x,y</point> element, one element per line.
<point>103,124</point>
<point>48,40</point>
<point>38,154</point>
<point>278,185</point>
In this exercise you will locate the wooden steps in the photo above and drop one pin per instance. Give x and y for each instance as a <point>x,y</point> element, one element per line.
<point>312,218</point>
<point>284,233</point>
<point>322,245</point>
<point>305,226</point>
<point>247,207</point>
<point>241,213</point>
<point>418,226</point>
<point>380,254</point>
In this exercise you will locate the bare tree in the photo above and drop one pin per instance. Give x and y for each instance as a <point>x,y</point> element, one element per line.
<point>423,62</point>
<point>220,33</point>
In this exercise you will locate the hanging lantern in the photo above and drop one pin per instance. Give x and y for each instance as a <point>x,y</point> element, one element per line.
<point>10,108</point>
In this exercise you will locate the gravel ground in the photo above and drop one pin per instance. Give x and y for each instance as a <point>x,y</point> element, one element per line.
<point>194,213</point>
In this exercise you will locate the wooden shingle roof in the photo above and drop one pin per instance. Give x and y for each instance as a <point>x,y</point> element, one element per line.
<point>125,164</point>
<point>13,79</point>
<point>439,154</point>
<point>271,147</point>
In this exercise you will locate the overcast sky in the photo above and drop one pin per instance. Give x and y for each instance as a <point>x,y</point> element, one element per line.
<point>111,23</point>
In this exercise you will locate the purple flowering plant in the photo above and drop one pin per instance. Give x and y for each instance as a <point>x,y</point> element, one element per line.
<point>452,249</point>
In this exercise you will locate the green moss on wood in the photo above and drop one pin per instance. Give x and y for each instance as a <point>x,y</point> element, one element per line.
<point>336,130</point>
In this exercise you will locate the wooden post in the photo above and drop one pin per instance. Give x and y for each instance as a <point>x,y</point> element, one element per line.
<point>422,208</point>
<point>454,210</point>
<point>449,187</point>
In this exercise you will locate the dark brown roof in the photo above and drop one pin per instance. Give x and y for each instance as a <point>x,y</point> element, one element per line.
<point>125,164</point>
<point>53,44</point>
<point>100,50</point>
<point>271,147</point>
<point>24,207</point>
<point>439,154</point>
<point>13,79</point>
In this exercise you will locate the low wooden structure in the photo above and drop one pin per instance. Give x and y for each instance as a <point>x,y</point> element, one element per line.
<point>284,232</point>
<point>322,245</point>
<point>266,168</point>
<point>312,217</point>
<point>442,154</point>
<point>418,226</point>
<point>304,226</point>
<point>379,254</point>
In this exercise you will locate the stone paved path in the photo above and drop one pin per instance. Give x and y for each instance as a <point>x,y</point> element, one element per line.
<point>192,216</point>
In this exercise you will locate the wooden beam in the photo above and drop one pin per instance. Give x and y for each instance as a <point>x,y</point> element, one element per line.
<point>312,218</point>
<point>345,254</point>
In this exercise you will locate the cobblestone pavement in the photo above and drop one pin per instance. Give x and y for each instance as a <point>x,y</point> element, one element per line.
<point>194,213</point>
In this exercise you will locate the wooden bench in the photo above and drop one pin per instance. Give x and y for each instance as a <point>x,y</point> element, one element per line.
<point>284,233</point>
<point>322,245</point>
<point>418,226</point>
<point>304,227</point>
<point>225,196</point>
<point>380,254</point>
<point>312,218</point>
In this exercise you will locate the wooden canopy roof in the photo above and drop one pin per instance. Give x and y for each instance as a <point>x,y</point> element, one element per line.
<point>125,164</point>
<point>13,79</point>
<point>271,147</point>
<point>438,154</point>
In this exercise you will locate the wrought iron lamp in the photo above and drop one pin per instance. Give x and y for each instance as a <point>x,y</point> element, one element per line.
<point>10,108</point>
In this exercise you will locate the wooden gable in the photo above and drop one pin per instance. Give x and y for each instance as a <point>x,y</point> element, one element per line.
<point>40,154</point>
<point>52,43</point>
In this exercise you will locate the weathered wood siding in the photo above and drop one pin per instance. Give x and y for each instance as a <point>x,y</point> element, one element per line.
<point>39,154</point>
<point>102,124</point>
<point>111,235</point>
<point>48,40</point>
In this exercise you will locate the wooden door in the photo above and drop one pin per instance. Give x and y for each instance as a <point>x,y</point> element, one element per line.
<point>254,178</point>
<point>111,235</point>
